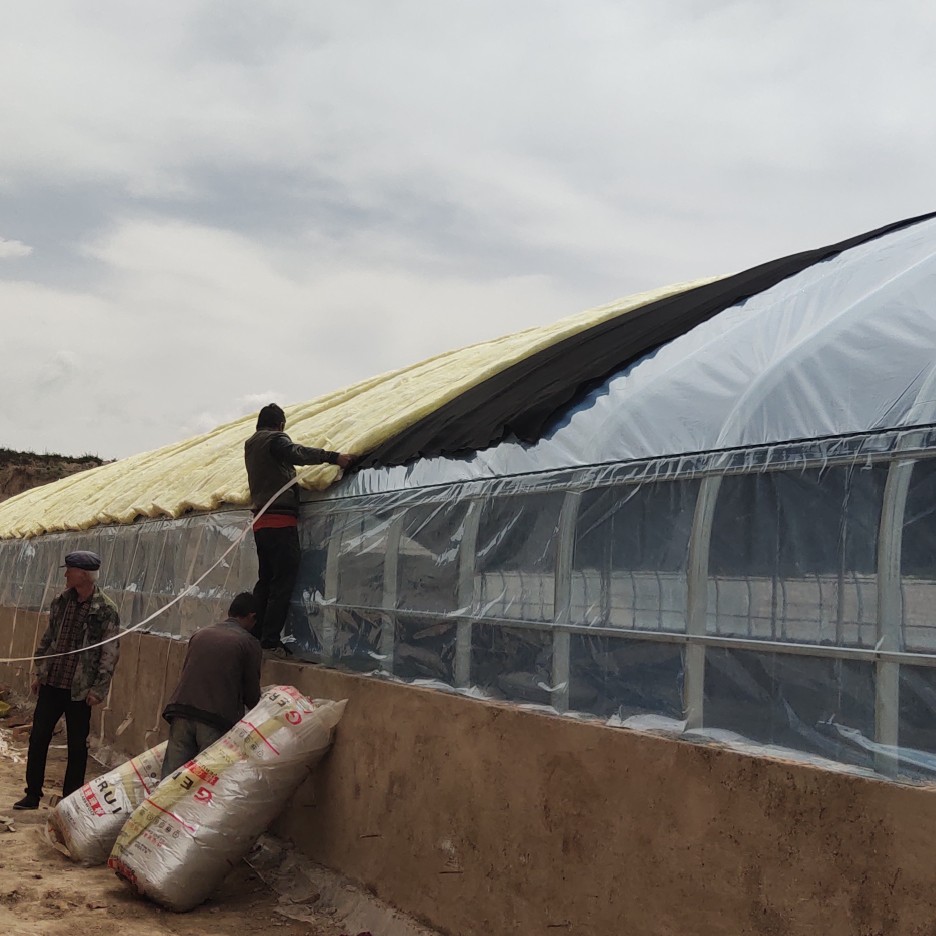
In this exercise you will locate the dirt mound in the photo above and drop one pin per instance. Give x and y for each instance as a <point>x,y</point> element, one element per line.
<point>20,471</point>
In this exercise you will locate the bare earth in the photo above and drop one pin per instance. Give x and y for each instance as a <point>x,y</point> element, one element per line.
<point>42,892</point>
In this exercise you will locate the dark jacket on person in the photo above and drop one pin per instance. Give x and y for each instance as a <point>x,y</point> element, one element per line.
<point>269,456</point>
<point>220,677</point>
<point>95,666</point>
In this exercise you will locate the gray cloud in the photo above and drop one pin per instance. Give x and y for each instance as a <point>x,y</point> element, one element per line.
<point>222,198</point>
<point>13,248</point>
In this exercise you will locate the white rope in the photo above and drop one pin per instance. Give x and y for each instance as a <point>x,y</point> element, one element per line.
<point>240,539</point>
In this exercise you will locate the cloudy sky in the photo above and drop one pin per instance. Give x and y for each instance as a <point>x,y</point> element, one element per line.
<point>207,205</point>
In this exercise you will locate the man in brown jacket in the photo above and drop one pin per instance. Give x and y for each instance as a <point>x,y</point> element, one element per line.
<point>220,678</point>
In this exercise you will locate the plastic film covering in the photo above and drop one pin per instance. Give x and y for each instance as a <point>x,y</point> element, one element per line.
<point>184,838</point>
<point>793,555</point>
<point>144,566</point>
<point>584,591</point>
<point>85,825</point>
<point>842,347</point>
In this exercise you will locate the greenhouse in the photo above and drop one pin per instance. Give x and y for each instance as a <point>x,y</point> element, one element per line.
<point>706,510</point>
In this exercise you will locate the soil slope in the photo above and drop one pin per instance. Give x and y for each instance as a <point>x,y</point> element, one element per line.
<point>20,471</point>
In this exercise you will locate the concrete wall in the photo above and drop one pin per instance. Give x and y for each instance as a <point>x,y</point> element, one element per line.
<point>484,819</point>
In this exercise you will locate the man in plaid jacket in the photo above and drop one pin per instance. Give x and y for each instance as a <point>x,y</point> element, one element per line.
<point>75,661</point>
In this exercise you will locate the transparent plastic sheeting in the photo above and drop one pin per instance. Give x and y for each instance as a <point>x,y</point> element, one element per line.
<point>572,590</point>
<point>144,565</point>
<point>843,347</point>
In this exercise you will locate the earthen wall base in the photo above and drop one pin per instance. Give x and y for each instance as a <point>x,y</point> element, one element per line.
<point>486,820</point>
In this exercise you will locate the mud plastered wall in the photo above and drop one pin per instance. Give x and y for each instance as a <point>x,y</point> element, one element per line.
<point>484,819</point>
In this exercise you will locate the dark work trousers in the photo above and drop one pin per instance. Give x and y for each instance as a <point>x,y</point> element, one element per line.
<point>278,558</point>
<point>50,706</point>
<point>188,737</point>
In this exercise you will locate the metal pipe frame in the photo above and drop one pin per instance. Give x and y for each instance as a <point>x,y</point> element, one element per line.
<point>562,601</point>
<point>391,579</point>
<point>467,550</point>
<point>697,610</point>
<point>674,637</point>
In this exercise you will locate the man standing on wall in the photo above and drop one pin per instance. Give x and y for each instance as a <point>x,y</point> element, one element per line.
<point>270,455</point>
<point>220,678</point>
<point>82,652</point>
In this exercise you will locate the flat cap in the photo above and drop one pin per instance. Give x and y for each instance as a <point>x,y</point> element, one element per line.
<point>83,559</point>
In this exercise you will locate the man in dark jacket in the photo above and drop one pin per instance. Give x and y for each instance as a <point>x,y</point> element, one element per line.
<point>269,455</point>
<point>220,678</point>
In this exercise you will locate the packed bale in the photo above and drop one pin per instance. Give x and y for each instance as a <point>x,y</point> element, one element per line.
<point>86,823</point>
<point>186,835</point>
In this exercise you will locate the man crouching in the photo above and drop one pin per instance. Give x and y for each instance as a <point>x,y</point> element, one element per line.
<point>220,678</point>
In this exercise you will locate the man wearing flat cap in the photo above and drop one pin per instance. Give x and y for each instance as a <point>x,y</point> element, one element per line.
<point>75,661</point>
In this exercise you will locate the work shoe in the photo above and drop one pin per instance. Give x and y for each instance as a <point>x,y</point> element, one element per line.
<point>27,802</point>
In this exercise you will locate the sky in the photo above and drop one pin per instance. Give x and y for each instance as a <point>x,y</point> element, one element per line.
<point>207,206</point>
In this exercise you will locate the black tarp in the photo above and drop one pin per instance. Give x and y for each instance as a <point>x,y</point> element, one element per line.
<point>526,398</point>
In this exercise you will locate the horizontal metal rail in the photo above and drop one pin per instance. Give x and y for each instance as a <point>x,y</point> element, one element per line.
<point>672,467</point>
<point>676,637</point>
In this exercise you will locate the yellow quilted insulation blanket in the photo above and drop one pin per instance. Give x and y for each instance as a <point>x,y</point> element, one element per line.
<point>207,471</point>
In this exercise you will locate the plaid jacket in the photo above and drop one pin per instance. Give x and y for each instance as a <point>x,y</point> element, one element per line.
<point>95,667</point>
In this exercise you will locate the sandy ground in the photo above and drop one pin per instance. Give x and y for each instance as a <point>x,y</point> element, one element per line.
<point>42,892</point>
